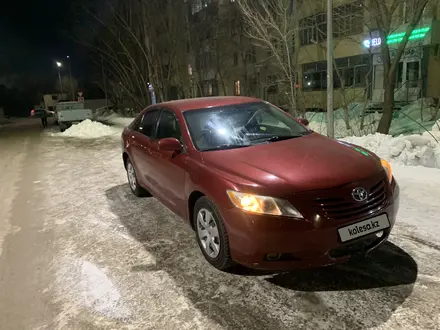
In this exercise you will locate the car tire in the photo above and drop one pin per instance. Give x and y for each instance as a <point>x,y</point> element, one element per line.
<point>205,209</point>
<point>133,182</point>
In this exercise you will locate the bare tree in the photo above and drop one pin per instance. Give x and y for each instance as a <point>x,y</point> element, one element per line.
<point>67,84</point>
<point>273,25</point>
<point>382,13</point>
<point>142,42</point>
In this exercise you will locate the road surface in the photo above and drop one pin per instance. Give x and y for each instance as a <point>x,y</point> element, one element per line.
<point>79,251</point>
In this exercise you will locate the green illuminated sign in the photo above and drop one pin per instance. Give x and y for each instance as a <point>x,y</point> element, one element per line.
<point>416,34</point>
<point>397,37</point>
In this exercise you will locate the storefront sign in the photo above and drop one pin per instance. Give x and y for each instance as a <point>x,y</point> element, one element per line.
<point>414,53</point>
<point>396,38</point>
<point>375,42</point>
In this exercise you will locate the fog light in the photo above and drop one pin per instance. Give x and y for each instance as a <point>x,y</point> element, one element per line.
<point>273,256</point>
<point>379,234</point>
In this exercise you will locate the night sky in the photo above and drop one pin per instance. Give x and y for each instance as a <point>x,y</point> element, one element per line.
<point>36,33</point>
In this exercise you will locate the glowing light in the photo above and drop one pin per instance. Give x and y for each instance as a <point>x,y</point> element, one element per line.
<point>397,37</point>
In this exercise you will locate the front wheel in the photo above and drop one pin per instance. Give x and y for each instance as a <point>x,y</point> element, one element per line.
<point>211,234</point>
<point>135,188</point>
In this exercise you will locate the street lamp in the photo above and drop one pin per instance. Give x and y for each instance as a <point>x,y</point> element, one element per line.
<point>59,65</point>
<point>70,77</point>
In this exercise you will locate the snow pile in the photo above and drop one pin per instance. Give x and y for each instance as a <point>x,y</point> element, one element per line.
<point>417,149</point>
<point>88,129</point>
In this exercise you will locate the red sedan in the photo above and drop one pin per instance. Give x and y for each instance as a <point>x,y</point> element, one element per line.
<point>259,188</point>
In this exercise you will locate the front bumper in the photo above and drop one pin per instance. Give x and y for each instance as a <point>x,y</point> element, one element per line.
<point>301,243</point>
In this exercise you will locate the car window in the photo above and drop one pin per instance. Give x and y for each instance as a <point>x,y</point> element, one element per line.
<point>168,126</point>
<point>240,125</point>
<point>135,124</point>
<point>148,123</point>
<point>267,118</point>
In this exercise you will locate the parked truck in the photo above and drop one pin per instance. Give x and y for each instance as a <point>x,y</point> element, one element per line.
<point>67,113</point>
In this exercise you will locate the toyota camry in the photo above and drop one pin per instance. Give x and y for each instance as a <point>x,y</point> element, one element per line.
<point>258,187</point>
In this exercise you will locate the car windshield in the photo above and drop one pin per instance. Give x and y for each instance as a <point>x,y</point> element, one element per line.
<point>240,125</point>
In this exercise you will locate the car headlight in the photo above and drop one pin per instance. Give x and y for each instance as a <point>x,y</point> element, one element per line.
<point>262,204</point>
<point>387,167</point>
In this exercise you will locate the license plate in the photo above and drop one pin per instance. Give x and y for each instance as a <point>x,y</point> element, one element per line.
<point>363,228</point>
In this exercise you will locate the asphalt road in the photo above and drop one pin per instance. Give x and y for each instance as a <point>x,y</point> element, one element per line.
<point>79,251</point>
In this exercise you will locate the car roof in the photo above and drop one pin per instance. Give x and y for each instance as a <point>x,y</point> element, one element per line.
<point>205,102</point>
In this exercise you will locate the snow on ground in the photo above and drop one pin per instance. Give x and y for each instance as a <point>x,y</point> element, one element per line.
<point>129,263</point>
<point>420,201</point>
<point>114,261</point>
<point>117,120</point>
<point>89,129</point>
<point>4,121</point>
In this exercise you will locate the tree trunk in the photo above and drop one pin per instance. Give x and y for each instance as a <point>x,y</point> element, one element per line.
<point>388,107</point>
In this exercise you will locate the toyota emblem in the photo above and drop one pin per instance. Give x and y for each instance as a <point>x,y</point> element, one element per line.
<point>359,194</point>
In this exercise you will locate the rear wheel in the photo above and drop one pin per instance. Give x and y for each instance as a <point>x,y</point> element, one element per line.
<point>211,234</point>
<point>135,188</point>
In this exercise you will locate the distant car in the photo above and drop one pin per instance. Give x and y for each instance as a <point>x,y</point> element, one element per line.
<point>68,113</point>
<point>40,113</point>
<point>259,188</point>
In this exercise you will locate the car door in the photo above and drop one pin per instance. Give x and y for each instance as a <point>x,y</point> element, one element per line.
<point>141,141</point>
<point>134,147</point>
<point>170,168</point>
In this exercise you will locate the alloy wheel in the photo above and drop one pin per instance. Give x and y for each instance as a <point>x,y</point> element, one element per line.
<point>131,176</point>
<point>208,233</point>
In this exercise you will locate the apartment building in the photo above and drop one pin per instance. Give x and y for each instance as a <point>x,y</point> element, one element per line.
<point>358,58</point>
<point>228,66</point>
<point>240,68</point>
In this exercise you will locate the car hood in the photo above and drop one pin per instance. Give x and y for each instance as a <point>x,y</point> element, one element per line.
<point>307,163</point>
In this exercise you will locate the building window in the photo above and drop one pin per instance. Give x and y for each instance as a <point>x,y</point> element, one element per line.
<point>272,85</point>
<point>352,71</point>
<point>237,88</point>
<point>251,55</point>
<point>209,88</point>
<point>347,20</point>
<point>313,29</point>
<point>235,58</point>
<point>198,5</point>
<point>204,60</point>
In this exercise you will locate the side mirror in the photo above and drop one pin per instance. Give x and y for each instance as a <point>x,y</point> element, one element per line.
<point>304,121</point>
<point>170,144</point>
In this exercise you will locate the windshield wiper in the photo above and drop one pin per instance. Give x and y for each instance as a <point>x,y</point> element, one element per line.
<point>281,138</point>
<point>226,146</point>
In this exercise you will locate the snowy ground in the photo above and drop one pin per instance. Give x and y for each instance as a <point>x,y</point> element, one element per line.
<point>79,251</point>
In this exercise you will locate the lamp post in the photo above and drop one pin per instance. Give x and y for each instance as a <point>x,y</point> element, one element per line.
<point>70,77</point>
<point>59,65</point>
<point>330,121</point>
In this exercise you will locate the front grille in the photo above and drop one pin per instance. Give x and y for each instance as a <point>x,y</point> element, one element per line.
<point>346,207</point>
